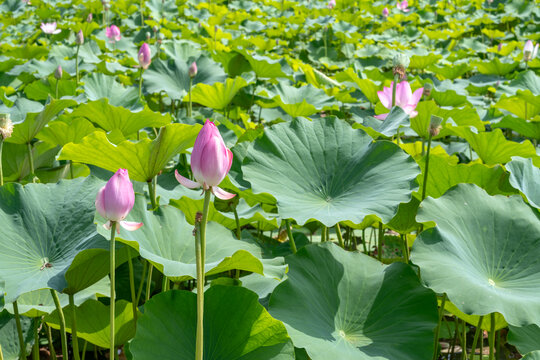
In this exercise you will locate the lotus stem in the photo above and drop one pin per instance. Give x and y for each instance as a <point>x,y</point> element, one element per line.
<point>339,236</point>
<point>31,161</point>
<point>149,282</point>
<point>323,233</point>
<point>141,283</point>
<point>152,193</point>
<point>76,64</point>
<point>35,349</point>
<point>142,12</point>
<point>49,339</point>
<point>424,185</point>
<point>405,248</point>
<point>132,285</point>
<point>84,350</point>
<point>364,243</point>
<point>290,235</point>
<point>56,91</point>
<point>62,320</point>
<point>380,241</point>
<point>74,337</point>
<point>200,247</point>
<point>492,338</point>
<point>1,165</point>
<point>1,355</point>
<point>19,330</point>
<point>238,229</point>
<point>140,83</point>
<point>325,43</point>
<point>476,336</point>
<point>189,103</point>
<point>464,343</point>
<point>394,87</point>
<point>438,329</point>
<point>112,350</point>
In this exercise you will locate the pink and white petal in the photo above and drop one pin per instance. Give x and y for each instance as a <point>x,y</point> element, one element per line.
<point>403,93</point>
<point>230,155</point>
<point>107,225</point>
<point>131,225</point>
<point>416,96</point>
<point>100,206</point>
<point>381,117</point>
<point>385,99</point>
<point>413,113</point>
<point>222,194</point>
<point>185,181</point>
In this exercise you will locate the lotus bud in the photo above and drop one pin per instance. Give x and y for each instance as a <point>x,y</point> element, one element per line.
<point>401,63</point>
<point>528,51</point>
<point>79,39</point>
<point>385,12</point>
<point>331,4</point>
<point>211,160</point>
<point>427,89</point>
<point>192,71</point>
<point>161,37</point>
<point>113,33</point>
<point>215,29</point>
<point>499,47</point>
<point>115,200</point>
<point>435,125</point>
<point>6,126</point>
<point>58,73</point>
<point>89,18</point>
<point>144,56</point>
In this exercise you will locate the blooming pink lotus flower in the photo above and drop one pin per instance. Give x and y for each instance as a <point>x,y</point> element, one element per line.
<point>113,33</point>
<point>115,200</point>
<point>405,98</point>
<point>210,162</point>
<point>50,28</point>
<point>144,56</point>
<point>385,12</point>
<point>403,6</point>
<point>331,4</point>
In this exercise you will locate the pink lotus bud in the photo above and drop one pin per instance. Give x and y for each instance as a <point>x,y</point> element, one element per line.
<point>192,71</point>
<point>144,56</point>
<point>211,160</point>
<point>115,200</point>
<point>331,4</point>
<point>79,39</point>
<point>535,51</point>
<point>49,28</point>
<point>385,12</point>
<point>528,50</point>
<point>89,18</point>
<point>113,33</point>
<point>499,47</point>
<point>58,73</point>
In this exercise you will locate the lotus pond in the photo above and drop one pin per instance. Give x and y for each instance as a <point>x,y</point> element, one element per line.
<point>269,179</point>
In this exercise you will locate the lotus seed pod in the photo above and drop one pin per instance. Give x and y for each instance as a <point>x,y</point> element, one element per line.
<point>79,39</point>
<point>6,126</point>
<point>435,125</point>
<point>401,63</point>
<point>427,89</point>
<point>58,73</point>
<point>192,71</point>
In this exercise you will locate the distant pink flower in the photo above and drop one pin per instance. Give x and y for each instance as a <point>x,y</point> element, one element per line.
<point>385,12</point>
<point>403,6</point>
<point>115,200</point>
<point>499,47</point>
<point>144,56</point>
<point>113,33</point>
<point>211,160</point>
<point>405,98</point>
<point>331,4</point>
<point>27,2</point>
<point>50,28</point>
<point>192,71</point>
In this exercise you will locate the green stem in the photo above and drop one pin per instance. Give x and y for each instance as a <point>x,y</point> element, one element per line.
<point>492,338</point>
<point>83,350</point>
<point>140,83</point>
<point>22,344</point>
<point>62,319</point>
<point>424,185</point>
<point>290,235</point>
<point>323,233</point>
<point>71,168</point>
<point>77,64</point>
<point>56,91</point>
<point>1,169</point>
<point>31,160</point>
<point>364,243</point>
<point>1,354</point>
<point>190,104</point>
<point>238,229</point>
<point>325,45</point>
<point>394,87</point>
<point>200,249</point>
<point>164,284</point>
<point>113,283</point>
<point>132,285</point>
<point>476,336</point>
<point>380,241</point>
<point>438,329</point>
<point>74,337</point>
<point>141,284</point>
<point>405,248</point>
<point>149,282</point>
<point>142,12</point>
<point>35,350</point>
<point>464,344</point>
<point>152,193</point>
<point>51,344</point>
<point>339,236</point>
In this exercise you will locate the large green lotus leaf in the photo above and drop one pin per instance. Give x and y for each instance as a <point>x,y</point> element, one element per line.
<point>15,160</point>
<point>20,107</point>
<point>530,129</point>
<point>526,80</point>
<point>143,159</point>
<point>525,177</point>
<point>65,130</point>
<point>40,302</point>
<point>483,253</point>
<point>265,67</point>
<point>423,61</point>
<point>9,340</point>
<point>302,101</point>
<point>173,78</point>
<point>350,306</point>
<point>450,71</point>
<point>167,241</point>
<point>533,355</point>
<point>327,171</point>
<point>110,117</point>
<point>93,322</point>
<point>525,339</point>
<point>24,132</point>
<point>396,119</point>
<point>236,327</point>
<point>492,147</point>
<point>218,95</point>
<point>44,88</point>
<point>448,98</point>
<point>445,172</point>
<point>524,104</point>
<point>43,227</point>
<point>98,86</point>
<point>366,86</point>
<point>500,323</point>
<point>495,67</point>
